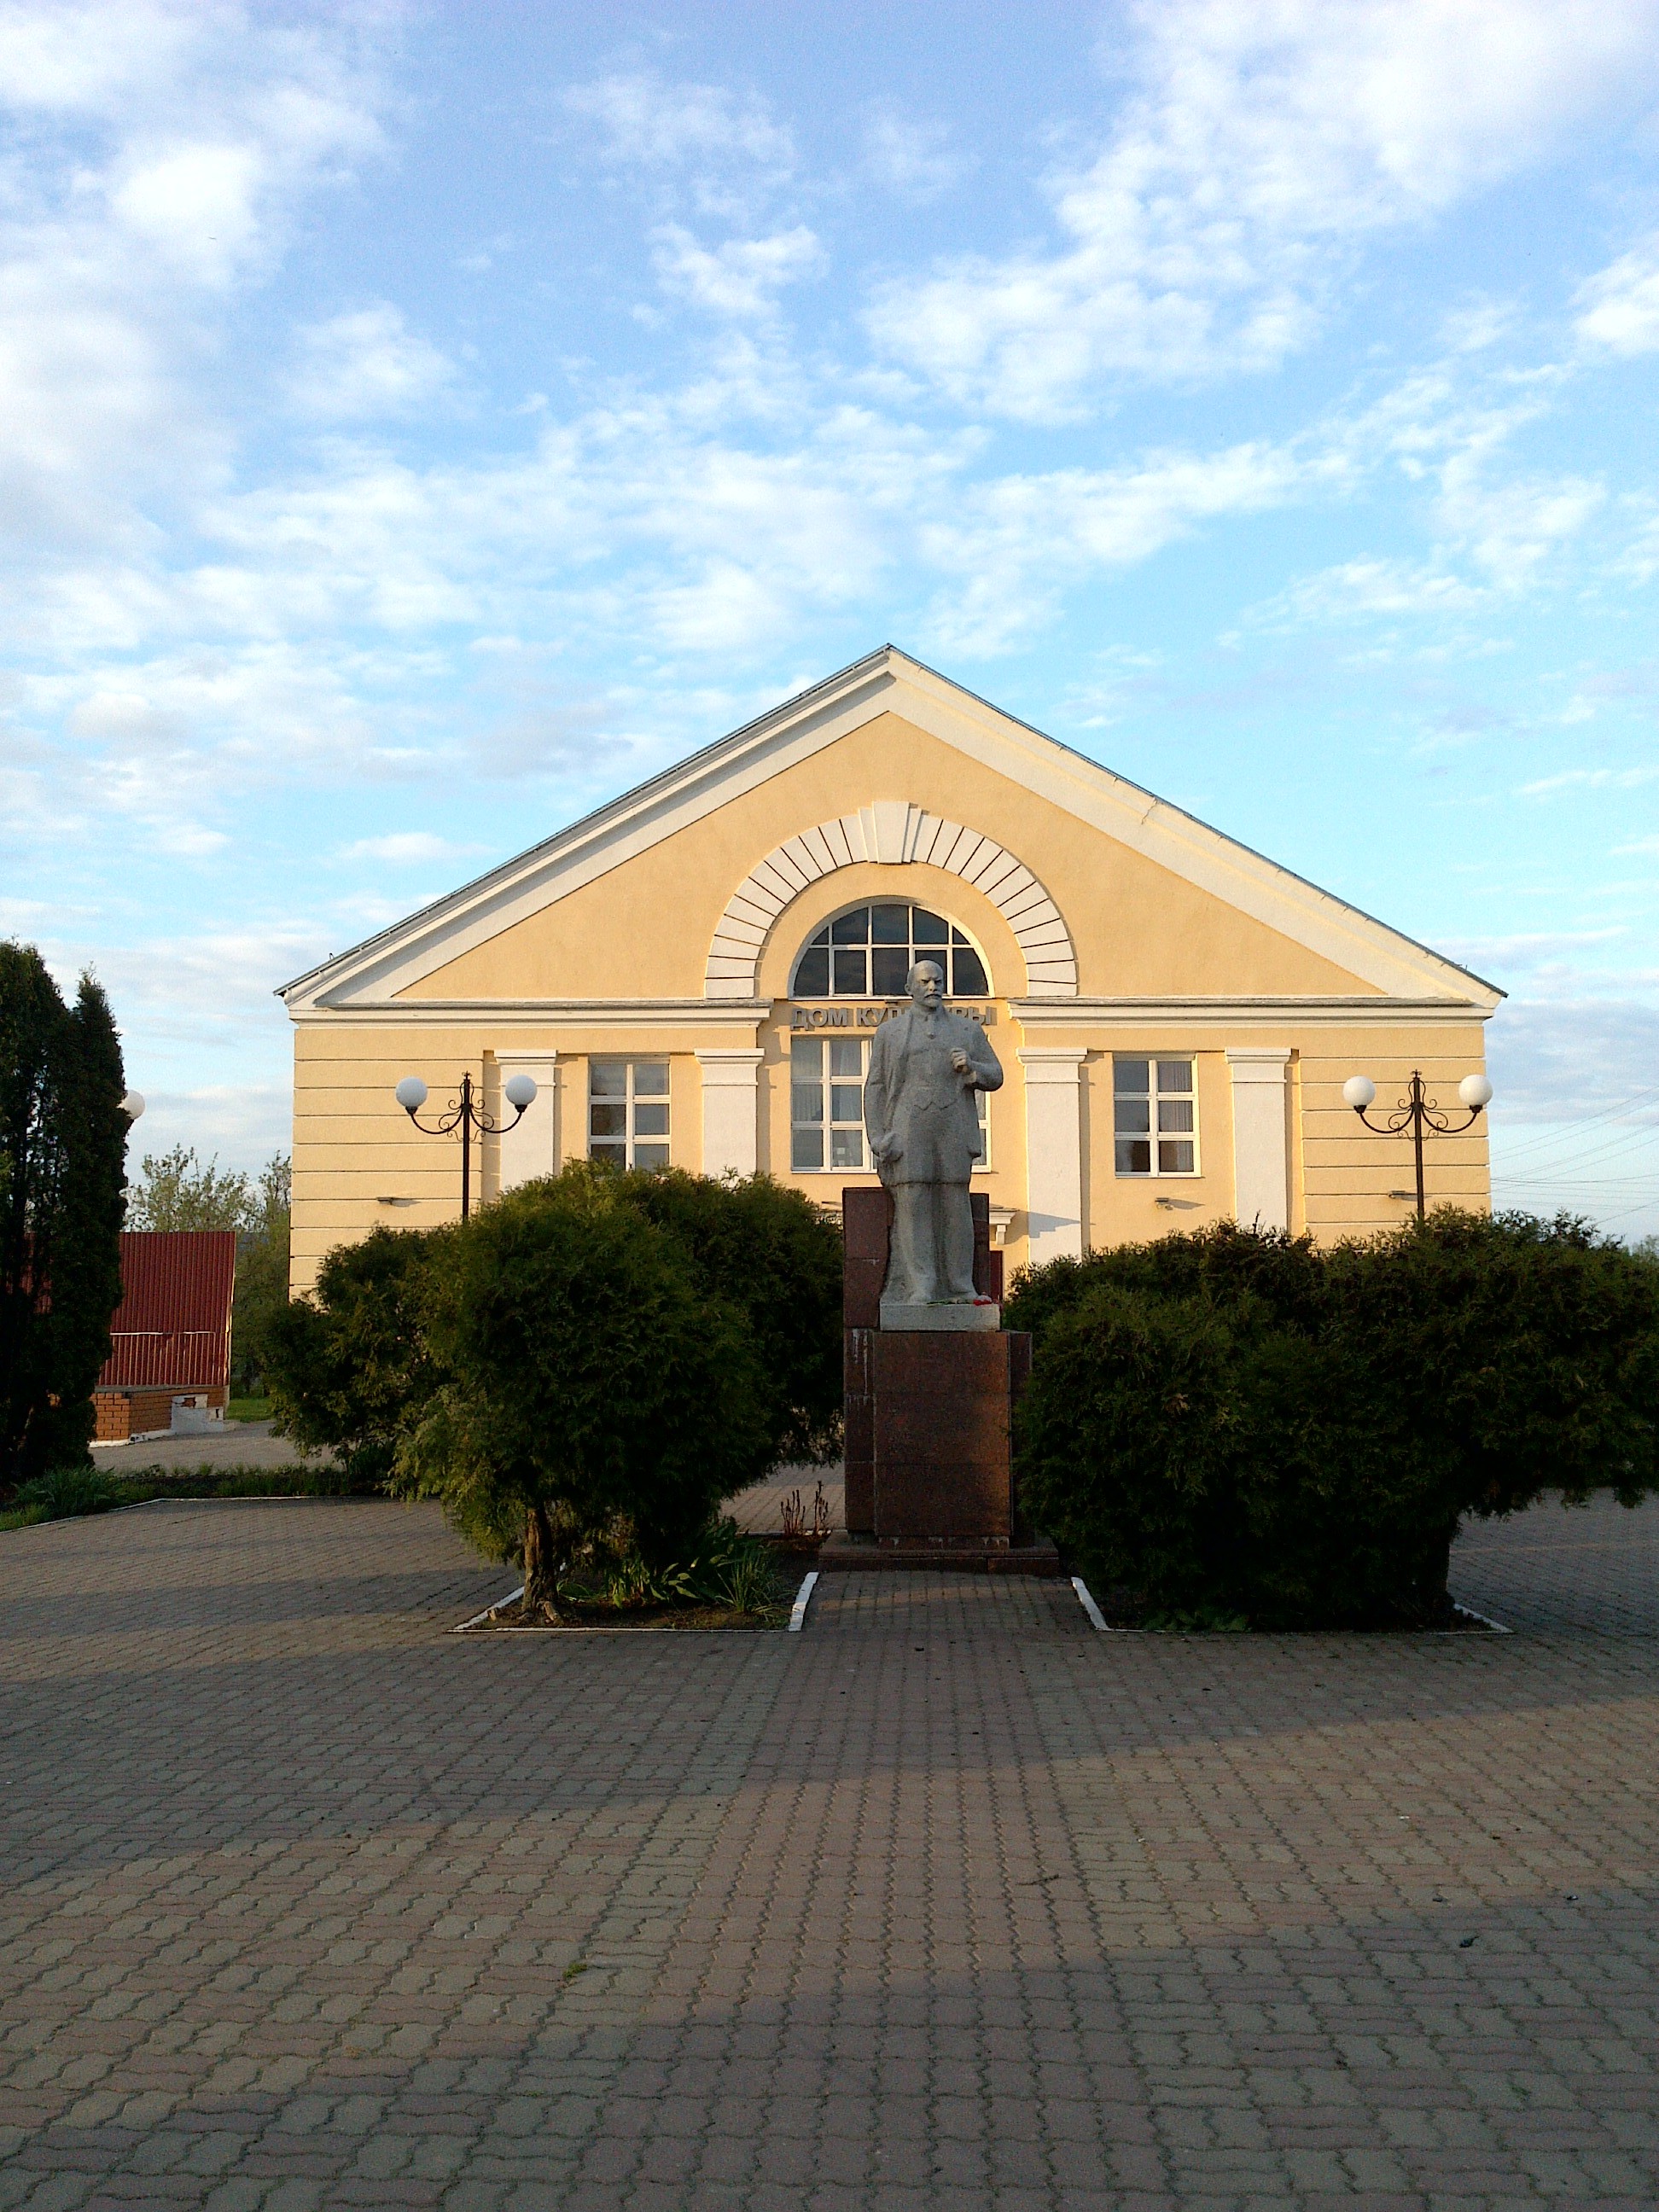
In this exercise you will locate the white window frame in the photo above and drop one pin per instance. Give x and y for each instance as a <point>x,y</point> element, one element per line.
<point>914,951</point>
<point>631,1100</point>
<point>826,1040</point>
<point>1154,1094</point>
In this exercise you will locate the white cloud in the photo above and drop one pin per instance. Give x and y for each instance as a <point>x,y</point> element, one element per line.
<point>1259,145</point>
<point>738,278</point>
<point>405,849</point>
<point>658,124</point>
<point>1589,779</point>
<point>195,131</point>
<point>366,365</point>
<point>1013,541</point>
<point>63,59</point>
<point>1618,309</point>
<point>1370,586</point>
<point>195,205</point>
<point>1511,527</point>
<point>910,157</point>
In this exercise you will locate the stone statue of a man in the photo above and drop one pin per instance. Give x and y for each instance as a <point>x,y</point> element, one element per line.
<point>924,1066</point>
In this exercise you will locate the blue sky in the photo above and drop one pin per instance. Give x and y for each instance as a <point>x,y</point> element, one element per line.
<point>417,425</point>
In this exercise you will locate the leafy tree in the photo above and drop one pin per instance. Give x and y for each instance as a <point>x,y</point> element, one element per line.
<point>262,1269</point>
<point>591,1386</point>
<point>63,1150</point>
<point>349,1367</point>
<point>175,1191</point>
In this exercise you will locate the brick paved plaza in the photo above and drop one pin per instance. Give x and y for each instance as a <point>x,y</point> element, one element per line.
<point>947,1902</point>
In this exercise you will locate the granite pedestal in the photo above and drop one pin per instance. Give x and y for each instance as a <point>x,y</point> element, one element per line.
<point>929,1415</point>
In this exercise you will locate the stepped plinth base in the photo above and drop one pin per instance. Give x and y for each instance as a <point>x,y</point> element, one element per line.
<point>974,1555</point>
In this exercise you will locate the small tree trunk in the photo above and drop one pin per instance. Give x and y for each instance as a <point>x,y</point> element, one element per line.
<point>541,1572</point>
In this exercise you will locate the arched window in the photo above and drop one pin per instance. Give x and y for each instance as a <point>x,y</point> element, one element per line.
<point>867,953</point>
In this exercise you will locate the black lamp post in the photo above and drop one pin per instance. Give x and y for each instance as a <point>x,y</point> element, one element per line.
<point>466,1115</point>
<point>1418,1113</point>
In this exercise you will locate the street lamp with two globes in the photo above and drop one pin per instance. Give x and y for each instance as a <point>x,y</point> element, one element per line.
<point>1418,1113</point>
<point>465,1113</point>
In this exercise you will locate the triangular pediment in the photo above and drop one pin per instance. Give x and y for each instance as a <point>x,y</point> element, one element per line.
<point>1358,952</point>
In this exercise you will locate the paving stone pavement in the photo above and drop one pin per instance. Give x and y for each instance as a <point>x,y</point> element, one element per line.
<point>947,1902</point>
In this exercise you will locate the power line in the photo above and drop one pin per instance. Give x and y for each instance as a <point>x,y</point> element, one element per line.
<point>1589,1121</point>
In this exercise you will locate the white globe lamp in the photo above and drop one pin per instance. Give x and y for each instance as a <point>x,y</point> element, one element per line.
<point>1359,1091</point>
<point>1475,1091</point>
<point>411,1094</point>
<point>133,1104</point>
<point>519,1090</point>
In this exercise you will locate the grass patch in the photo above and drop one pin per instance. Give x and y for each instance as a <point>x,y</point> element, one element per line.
<point>69,1493</point>
<point>248,1409</point>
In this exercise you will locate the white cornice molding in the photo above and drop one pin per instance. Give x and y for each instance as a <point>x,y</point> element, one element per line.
<point>887,680</point>
<point>1043,1014</point>
<point>895,833</point>
<point>544,1013</point>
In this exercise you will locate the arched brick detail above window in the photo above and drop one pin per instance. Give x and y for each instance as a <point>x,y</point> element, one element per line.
<point>892,832</point>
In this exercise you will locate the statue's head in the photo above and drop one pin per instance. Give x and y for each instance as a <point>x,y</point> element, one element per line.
<point>926,983</point>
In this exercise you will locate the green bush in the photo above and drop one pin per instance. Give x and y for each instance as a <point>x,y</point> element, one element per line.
<point>63,1492</point>
<point>584,1369</point>
<point>773,1254</point>
<point>347,1368</point>
<point>592,1387</point>
<point>1234,1425</point>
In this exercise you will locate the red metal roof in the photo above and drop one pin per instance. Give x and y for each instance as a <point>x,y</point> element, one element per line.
<point>172,1325</point>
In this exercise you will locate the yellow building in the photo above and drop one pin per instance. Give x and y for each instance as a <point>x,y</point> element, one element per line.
<point>693,974</point>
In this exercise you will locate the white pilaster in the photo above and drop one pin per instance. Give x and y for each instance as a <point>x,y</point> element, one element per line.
<point>1053,1150</point>
<point>731,1111</point>
<point>1261,1166</point>
<point>530,1147</point>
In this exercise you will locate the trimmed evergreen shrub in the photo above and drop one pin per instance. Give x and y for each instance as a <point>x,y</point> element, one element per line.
<point>348,1367</point>
<point>770,1252</point>
<point>592,1388</point>
<point>584,1369</point>
<point>1230,1424</point>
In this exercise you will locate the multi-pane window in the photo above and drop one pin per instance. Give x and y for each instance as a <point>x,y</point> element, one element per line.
<point>627,1112</point>
<point>1152,1116</point>
<point>826,1103</point>
<point>867,954</point>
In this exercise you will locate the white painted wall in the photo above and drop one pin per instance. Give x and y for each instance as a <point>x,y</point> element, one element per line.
<point>1053,1151</point>
<point>1262,1166</point>
<point>532,1147</point>
<point>730,1116</point>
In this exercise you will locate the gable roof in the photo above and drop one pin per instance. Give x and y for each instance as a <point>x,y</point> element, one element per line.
<point>886,681</point>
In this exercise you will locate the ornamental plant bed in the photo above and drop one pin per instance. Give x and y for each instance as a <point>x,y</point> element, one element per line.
<point>1126,1608</point>
<point>577,1614</point>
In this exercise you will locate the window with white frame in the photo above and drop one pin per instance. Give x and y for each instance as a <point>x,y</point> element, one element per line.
<point>826,1104</point>
<point>867,953</point>
<point>1154,1116</point>
<point>627,1112</point>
